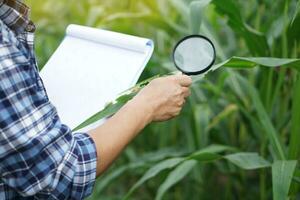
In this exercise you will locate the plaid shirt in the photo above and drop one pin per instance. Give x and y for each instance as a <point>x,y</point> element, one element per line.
<point>40,158</point>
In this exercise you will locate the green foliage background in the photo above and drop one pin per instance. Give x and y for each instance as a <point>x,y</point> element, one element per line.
<point>245,108</point>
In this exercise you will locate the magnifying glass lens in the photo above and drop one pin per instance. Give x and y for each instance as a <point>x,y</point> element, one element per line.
<point>194,55</point>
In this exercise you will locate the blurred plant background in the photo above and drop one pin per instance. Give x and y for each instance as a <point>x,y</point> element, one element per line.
<point>245,108</point>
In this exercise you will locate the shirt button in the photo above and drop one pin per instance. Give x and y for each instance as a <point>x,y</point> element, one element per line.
<point>30,27</point>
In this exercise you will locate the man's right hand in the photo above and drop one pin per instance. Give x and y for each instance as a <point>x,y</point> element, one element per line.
<point>160,100</point>
<point>164,97</point>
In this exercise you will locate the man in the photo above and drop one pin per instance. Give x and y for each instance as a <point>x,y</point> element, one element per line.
<point>40,158</point>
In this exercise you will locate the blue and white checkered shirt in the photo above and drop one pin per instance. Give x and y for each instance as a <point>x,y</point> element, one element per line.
<point>40,158</point>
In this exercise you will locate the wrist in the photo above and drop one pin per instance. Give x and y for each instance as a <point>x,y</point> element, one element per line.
<point>143,108</point>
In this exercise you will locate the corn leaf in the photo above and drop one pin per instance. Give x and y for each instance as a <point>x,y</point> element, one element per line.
<point>202,117</point>
<point>282,174</point>
<point>153,171</point>
<point>142,161</point>
<point>175,176</point>
<point>229,110</point>
<point>294,148</point>
<point>265,120</point>
<point>196,14</point>
<point>112,107</point>
<point>256,41</point>
<point>216,148</point>
<point>181,7</point>
<point>107,179</point>
<point>210,153</point>
<point>297,176</point>
<point>294,30</point>
<point>205,156</point>
<point>248,161</point>
<point>109,110</point>
<point>297,10</point>
<point>249,62</point>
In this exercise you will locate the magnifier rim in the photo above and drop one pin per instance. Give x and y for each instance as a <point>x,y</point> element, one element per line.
<point>195,72</point>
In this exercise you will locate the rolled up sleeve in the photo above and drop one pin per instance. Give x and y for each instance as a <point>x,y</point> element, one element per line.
<point>39,155</point>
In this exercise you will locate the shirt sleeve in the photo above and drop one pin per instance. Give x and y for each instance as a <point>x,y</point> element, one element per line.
<point>39,155</point>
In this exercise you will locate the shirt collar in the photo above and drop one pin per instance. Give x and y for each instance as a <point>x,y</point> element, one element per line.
<point>15,15</point>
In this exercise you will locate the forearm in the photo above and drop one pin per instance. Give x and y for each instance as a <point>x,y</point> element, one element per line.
<point>114,135</point>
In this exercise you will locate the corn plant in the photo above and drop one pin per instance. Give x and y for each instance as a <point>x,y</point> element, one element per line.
<point>239,134</point>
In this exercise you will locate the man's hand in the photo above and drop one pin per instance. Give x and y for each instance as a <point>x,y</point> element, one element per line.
<point>165,96</point>
<point>161,100</point>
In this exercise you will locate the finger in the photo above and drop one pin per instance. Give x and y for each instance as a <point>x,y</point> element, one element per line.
<point>168,117</point>
<point>176,111</point>
<point>184,80</point>
<point>186,92</point>
<point>181,103</point>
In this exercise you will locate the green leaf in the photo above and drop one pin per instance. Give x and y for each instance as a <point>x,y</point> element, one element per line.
<point>297,173</point>
<point>107,179</point>
<point>210,153</point>
<point>205,156</point>
<point>294,148</point>
<point>282,174</point>
<point>248,161</point>
<point>228,110</point>
<point>217,148</point>
<point>175,176</point>
<point>113,107</point>
<point>297,180</point>
<point>181,7</point>
<point>196,14</point>
<point>256,42</point>
<point>297,176</point>
<point>201,115</point>
<point>293,31</point>
<point>142,161</point>
<point>249,62</point>
<point>153,171</point>
<point>109,110</point>
<point>297,10</point>
<point>264,118</point>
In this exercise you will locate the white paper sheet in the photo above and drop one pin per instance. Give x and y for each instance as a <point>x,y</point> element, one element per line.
<point>90,68</point>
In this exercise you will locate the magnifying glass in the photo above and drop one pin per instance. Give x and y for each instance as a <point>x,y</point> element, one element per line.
<point>194,55</point>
